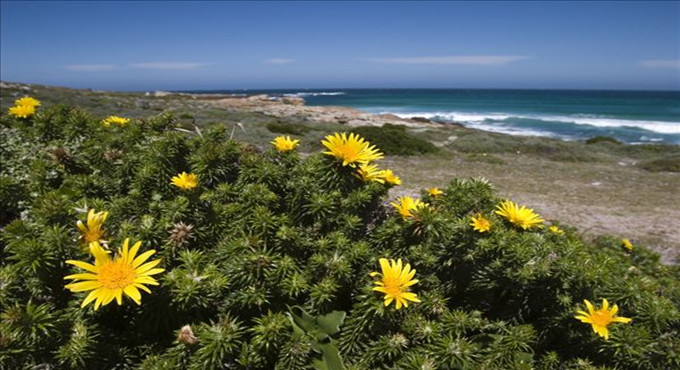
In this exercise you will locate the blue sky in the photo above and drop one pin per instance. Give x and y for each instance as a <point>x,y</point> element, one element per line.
<point>225,45</point>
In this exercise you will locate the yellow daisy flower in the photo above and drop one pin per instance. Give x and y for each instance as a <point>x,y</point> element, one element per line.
<point>555,230</point>
<point>27,101</point>
<point>600,319</point>
<point>395,281</point>
<point>627,244</point>
<point>370,172</point>
<point>522,217</point>
<point>405,205</point>
<point>22,111</point>
<point>480,223</point>
<point>390,178</point>
<point>435,192</point>
<point>285,143</point>
<point>92,231</point>
<point>351,150</point>
<point>185,181</point>
<point>109,278</point>
<point>115,120</point>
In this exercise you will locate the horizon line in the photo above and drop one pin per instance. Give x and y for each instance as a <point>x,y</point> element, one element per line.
<point>184,90</point>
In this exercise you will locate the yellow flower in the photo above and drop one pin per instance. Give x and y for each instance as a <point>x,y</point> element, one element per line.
<point>522,217</point>
<point>405,205</point>
<point>27,101</point>
<point>115,120</point>
<point>395,282</point>
<point>627,244</point>
<point>185,181</point>
<point>390,178</point>
<point>284,143</point>
<point>22,111</point>
<point>435,192</point>
<point>601,318</point>
<point>481,224</point>
<point>109,278</point>
<point>556,230</point>
<point>351,150</point>
<point>92,232</point>
<point>370,172</point>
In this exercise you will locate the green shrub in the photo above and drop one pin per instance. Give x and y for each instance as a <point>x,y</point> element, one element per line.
<point>395,140</point>
<point>602,139</point>
<point>288,128</point>
<point>267,264</point>
<point>666,164</point>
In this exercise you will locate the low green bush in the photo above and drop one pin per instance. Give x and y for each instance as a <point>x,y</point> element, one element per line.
<point>666,164</point>
<point>395,140</point>
<point>268,263</point>
<point>288,128</point>
<point>602,139</point>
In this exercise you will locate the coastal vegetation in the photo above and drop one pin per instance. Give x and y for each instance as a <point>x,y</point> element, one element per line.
<point>150,242</point>
<point>396,140</point>
<point>602,188</point>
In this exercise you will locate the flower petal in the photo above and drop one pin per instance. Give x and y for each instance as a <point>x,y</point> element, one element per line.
<point>132,292</point>
<point>82,277</point>
<point>83,265</point>
<point>90,297</point>
<point>146,267</point>
<point>151,272</point>
<point>142,257</point>
<point>83,286</point>
<point>589,306</point>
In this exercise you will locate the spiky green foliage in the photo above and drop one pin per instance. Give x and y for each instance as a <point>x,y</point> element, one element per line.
<point>266,231</point>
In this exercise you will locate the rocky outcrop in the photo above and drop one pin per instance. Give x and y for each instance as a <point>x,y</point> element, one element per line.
<point>294,107</point>
<point>293,100</point>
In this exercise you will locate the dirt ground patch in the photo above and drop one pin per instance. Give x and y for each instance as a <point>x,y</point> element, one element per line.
<point>598,198</point>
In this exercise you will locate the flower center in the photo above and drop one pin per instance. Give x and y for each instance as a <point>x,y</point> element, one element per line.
<point>348,153</point>
<point>93,235</point>
<point>601,318</point>
<point>392,286</point>
<point>116,275</point>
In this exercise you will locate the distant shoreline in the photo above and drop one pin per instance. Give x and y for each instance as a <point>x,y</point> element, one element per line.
<point>632,117</point>
<point>290,103</point>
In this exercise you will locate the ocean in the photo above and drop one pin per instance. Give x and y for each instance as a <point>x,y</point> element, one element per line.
<point>629,116</point>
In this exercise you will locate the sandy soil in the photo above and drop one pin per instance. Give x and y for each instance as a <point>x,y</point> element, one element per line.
<point>619,200</point>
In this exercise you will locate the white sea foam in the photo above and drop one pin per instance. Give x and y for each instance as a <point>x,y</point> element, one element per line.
<point>513,130</point>
<point>322,93</point>
<point>661,127</point>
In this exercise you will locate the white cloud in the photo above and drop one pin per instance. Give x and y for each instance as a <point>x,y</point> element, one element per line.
<point>168,65</point>
<point>661,63</point>
<point>90,67</point>
<point>480,60</point>
<point>280,61</point>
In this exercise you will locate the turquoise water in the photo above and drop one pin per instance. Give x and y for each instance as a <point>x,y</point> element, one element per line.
<point>630,116</point>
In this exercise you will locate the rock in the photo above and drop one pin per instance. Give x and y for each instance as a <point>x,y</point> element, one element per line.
<point>389,117</point>
<point>261,97</point>
<point>421,119</point>
<point>161,93</point>
<point>293,100</point>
